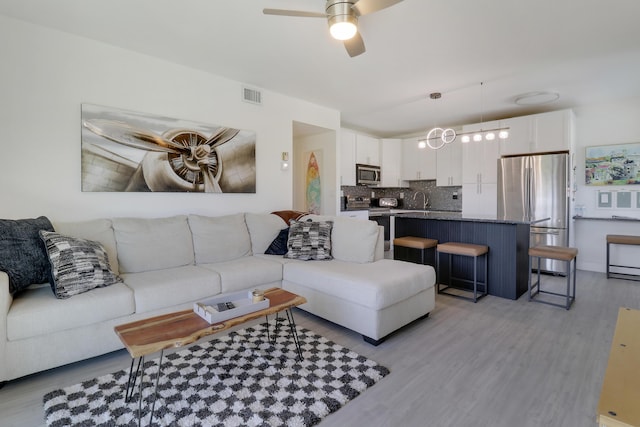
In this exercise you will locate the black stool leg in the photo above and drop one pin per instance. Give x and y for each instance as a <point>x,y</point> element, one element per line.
<point>568,284</point>
<point>475,279</point>
<point>608,245</point>
<point>529,272</point>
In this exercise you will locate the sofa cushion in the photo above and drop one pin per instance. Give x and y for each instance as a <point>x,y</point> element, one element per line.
<point>37,312</point>
<point>77,265</point>
<point>263,228</point>
<point>165,288</point>
<point>98,230</point>
<point>22,253</point>
<point>279,244</point>
<point>153,244</point>
<point>309,240</point>
<point>246,273</point>
<point>219,238</point>
<point>352,240</point>
<point>375,285</point>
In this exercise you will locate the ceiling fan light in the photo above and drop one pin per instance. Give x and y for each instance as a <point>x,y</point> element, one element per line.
<point>343,27</point>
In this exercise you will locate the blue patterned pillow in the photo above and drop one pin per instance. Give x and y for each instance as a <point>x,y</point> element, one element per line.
<point>77,265</point>
<point>309,240</point>
<point>22,254</point>
<point>279,244</point>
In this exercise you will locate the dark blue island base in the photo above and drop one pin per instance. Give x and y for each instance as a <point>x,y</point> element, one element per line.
<point>508,243</point>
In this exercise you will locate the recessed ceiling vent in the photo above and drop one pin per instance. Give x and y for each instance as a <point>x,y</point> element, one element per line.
<point>252,96</point>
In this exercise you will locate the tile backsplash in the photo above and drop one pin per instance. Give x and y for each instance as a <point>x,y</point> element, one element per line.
<point>440,198</point>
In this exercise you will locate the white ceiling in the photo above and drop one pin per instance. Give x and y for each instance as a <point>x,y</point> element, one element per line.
<point>587,50</point>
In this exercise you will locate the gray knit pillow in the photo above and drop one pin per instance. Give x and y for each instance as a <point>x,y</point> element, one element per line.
<point>77,265</point>
<point>309,240</point>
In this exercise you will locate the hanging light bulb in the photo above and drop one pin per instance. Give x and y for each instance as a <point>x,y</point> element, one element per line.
<point>490,136</point>
<point>422,144</point>
<point>465,139</point>
<point>477,137</point>
<point>503,134</point>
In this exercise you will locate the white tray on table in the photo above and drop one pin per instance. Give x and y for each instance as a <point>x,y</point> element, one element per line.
<point>243,302</point>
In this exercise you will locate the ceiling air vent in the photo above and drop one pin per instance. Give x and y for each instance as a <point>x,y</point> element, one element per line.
<point>251,95</point>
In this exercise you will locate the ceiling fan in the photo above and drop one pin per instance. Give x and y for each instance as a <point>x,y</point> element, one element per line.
<point>342,16</point>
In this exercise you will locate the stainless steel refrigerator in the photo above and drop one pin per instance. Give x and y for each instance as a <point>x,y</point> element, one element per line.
<point>535,187</point>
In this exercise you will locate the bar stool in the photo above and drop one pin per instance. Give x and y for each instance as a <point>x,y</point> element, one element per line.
<point>414,249</point>
<point>621,239</point>
<point>469,250</point>
<point>560,253</point>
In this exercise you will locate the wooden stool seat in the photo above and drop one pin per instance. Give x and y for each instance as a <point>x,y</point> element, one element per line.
<point>414,249</point>
<point>621,239</point>
<point>465,249</point>
<point>415,242</point>
<point>468,250</point>
<point>560,253</point>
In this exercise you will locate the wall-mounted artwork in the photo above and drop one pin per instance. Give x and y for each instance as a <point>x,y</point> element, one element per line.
<point>130,151</point>
<point>613,165</point>
<point>313,188</point>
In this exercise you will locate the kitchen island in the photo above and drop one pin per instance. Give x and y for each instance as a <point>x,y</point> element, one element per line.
<point>508,242</point>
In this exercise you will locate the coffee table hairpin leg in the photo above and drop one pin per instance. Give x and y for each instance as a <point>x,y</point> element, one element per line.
<point>131,382</point>
<point>292,330</point>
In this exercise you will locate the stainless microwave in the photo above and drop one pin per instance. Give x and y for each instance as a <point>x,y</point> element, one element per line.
<point>367,175</point>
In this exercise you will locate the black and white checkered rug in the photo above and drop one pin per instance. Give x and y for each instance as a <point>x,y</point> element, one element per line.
<point>236,380</point>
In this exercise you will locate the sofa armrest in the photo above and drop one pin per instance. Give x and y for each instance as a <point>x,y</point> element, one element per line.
<point>5,303</point>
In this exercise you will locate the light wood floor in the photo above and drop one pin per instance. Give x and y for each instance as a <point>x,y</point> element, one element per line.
<point>497,363</point>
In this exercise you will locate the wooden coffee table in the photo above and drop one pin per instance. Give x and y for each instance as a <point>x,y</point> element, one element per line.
<point>175,330</point>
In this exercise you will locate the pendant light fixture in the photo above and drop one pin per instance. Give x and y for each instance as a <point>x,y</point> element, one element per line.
<point>438,137</point>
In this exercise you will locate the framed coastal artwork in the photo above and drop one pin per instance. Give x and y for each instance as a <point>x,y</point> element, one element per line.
<point>126,151</point>
<point>313,184</point>
<point>613,164</point>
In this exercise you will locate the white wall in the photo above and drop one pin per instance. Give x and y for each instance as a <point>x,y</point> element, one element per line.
<point>604,124</point>
<point>46,75</point>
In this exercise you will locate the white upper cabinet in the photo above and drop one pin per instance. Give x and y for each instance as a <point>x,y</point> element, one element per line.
<point>417,163</point>
<point>538,133</point>
<point>479,172</point>
<point>391,152</point>
<point>347,157</point>
<point>479,158</point>
<point>367,150</point>
<point>449,164</point>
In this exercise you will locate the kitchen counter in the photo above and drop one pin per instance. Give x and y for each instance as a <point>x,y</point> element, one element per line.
<point>508,243</point>
<point>607,218</point>
<point>459,216</point>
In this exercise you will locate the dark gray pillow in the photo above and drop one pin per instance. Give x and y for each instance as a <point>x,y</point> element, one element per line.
<point>77,265</point>
<point>279,244</point>
<point>22,253</point>
<point>309,240</point>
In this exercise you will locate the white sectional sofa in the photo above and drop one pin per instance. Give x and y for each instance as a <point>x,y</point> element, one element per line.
<point>168,263</point>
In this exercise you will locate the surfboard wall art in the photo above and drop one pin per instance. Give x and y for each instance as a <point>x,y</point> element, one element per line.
<point>313,184</point>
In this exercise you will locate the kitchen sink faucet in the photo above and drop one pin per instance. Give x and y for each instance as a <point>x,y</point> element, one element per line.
<point>425,199</point>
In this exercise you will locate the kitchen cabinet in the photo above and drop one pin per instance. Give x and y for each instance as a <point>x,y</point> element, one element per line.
<point>347,157</point>
<point>538,133</point>
<point>417,163</point>
<point>391,157</point>
<point>367,150</point>
<point>449,164</point>
<point>479,173</point>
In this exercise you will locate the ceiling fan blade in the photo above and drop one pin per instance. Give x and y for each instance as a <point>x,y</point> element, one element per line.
<point>285,12</point>
<point>355,45</point>
<point>364,7</point>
